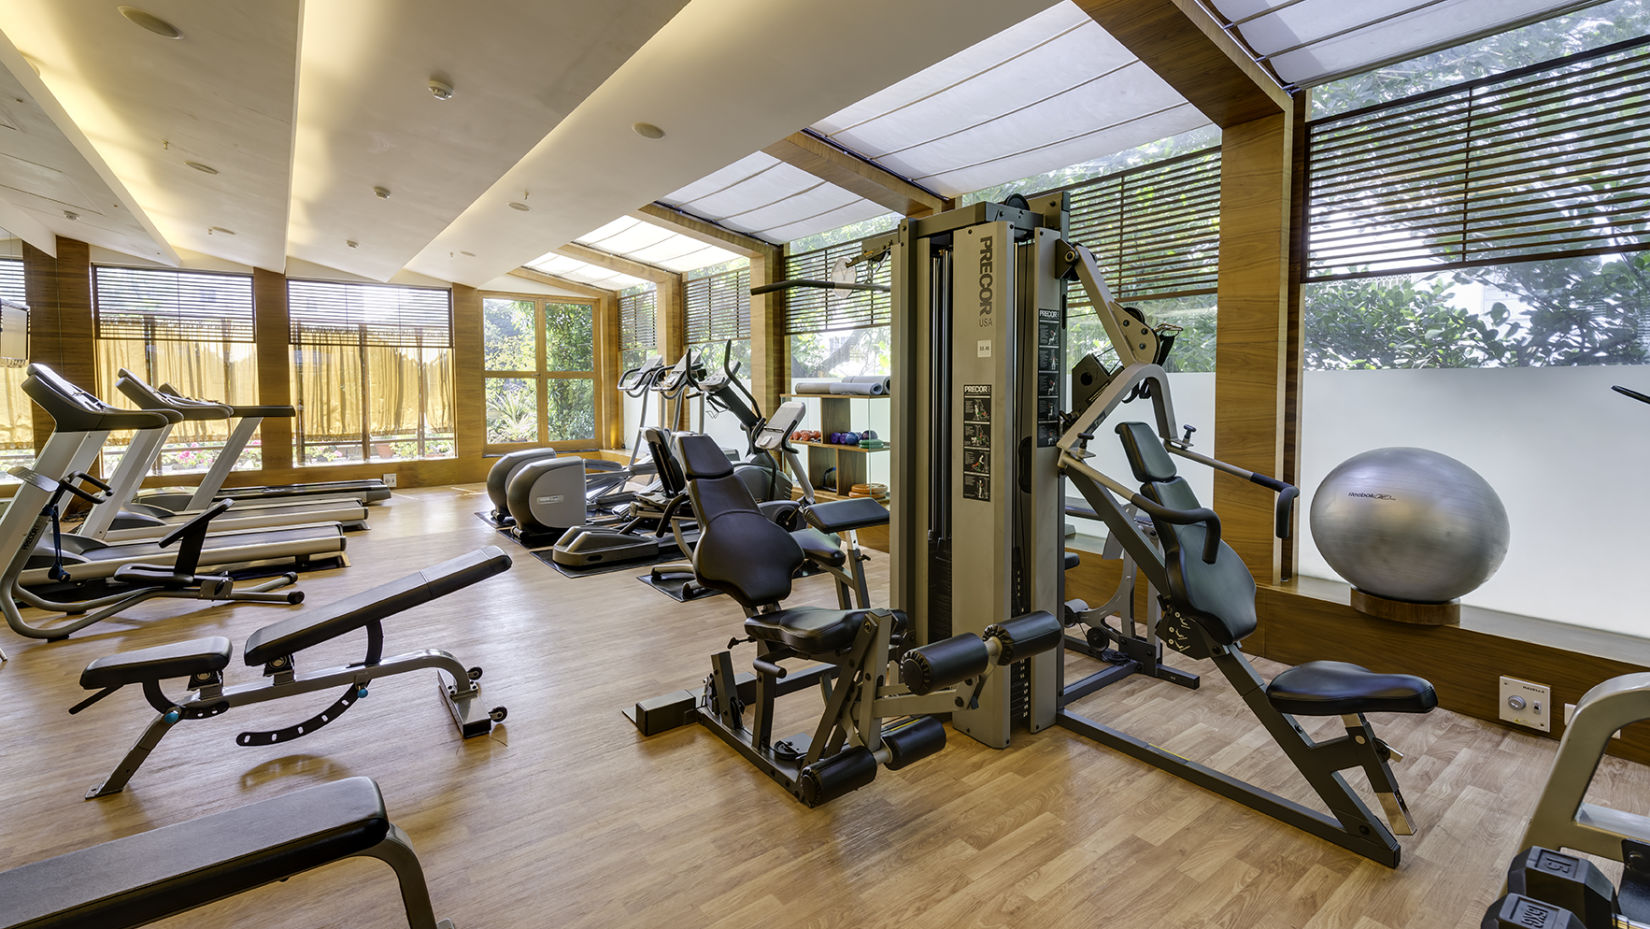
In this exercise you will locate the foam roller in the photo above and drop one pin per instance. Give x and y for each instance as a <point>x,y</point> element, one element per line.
<point>1024,636</point>
<point>939,664</point>
<point>844,772</point>
<point>913,742</point>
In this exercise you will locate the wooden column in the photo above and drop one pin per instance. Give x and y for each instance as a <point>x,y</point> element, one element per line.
<point>610,425</point>
<point>60,318</point>
<point>470,406</point>
<point>770,356</point>
<point>274,365</point>
<point>1257,303</point>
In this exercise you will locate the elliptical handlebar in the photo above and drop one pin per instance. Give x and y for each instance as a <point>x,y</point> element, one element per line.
<point>1630,392</point>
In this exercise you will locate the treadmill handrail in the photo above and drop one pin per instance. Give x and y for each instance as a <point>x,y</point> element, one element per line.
<point>75,409</point>
<point>139,392</point>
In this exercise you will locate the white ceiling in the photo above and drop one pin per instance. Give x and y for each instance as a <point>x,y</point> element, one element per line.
<point>1308,40</point>
<point>303,108</point>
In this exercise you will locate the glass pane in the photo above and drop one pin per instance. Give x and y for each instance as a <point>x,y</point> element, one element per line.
<point>512,410</point>
<point>570,340</point>
<point>507,335</point>
<point>16,423</point>
<point>839,353</point>
<point>572,409</point>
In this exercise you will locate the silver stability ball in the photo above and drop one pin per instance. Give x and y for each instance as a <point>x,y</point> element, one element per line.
<point>1409,524</point>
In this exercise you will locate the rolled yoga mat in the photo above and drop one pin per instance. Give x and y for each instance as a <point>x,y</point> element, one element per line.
<point>858,387</point>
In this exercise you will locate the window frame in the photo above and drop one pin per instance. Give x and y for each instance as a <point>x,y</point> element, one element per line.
<point>542,377</point>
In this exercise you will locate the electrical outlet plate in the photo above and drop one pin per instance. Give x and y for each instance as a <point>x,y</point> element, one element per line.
<point>389,480</point>
<point>1536,710</point>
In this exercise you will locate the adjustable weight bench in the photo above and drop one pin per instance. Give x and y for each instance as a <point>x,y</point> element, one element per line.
<point>274,647</point>
<point>152,875</point>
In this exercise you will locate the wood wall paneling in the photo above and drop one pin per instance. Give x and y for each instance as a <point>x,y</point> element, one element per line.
<point>273,332</point>
<point>770,353</point>
<point>610,412</point>
<point>60,317</point>
<point>470,408</point>
<point>1252,347</point>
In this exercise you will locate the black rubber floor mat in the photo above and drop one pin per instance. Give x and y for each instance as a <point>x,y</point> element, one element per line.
<point>680,587</point>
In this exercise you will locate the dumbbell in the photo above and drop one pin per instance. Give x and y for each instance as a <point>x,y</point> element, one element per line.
<point>1516,911</point>
<point>1570,883</point>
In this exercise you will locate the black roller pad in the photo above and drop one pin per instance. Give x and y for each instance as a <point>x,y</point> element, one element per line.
<point>940,664</point>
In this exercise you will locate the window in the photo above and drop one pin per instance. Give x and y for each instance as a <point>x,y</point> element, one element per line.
<point>539,366</point>
<point>1478,276</point>
<point>17,424</point>
<point>191,330</point>
<point>637,321</point>
<point>372,372</point>
<point>718,309</point>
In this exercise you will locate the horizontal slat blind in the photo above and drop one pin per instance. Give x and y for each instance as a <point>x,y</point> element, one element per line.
<point>166,305</point>
<point>636,319</point>
<point>718,306</point>
<point>1154,229</point>
<point>812,309</point>
<point>11,281</point>
<point>1543,162</point>
<point>330,312</point>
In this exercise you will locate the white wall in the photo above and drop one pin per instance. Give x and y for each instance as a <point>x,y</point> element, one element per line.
<point>1564,452</point>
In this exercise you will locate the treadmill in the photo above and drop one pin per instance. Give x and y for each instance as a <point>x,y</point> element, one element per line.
<point>210,489</point>
<point>121,518</point>
<point>82,423</point>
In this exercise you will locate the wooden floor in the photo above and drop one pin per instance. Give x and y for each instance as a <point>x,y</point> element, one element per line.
<point>565,817</point>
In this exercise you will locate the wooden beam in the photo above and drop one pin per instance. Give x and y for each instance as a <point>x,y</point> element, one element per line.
<point>470,404</point>
<point>702,230</point>
<point>572,287</point>
<point>613,262</point>
<point>770,355</point>
<point>60,318</point>
<point>1252,354</point>
<point>274,337</point>
<point>610,428</point>
<point>829,163</point>
<point>1189,50</point>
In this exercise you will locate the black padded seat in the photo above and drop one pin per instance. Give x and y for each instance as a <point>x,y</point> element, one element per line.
<point>178,659</point>
<point>843,515</point>
<point>320,625</point>
<point>1072,560</point>
<point>820,547</point>
<point>1335,688</point>
<point>810,630</point>
<point>142,878</point>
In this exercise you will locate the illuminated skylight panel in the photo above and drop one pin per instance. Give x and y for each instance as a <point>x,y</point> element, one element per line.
<point>1309,40</point>
<point>648,243</point>
<point>582,272</point>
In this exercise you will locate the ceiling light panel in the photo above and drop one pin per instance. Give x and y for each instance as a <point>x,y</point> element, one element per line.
<point>1307,40</point>
<point>1048,92</point>
<point>833,219</point>
<point>582,272</point>
<point>222,95</point>
<point>730,89</point>
<point>366,114</point>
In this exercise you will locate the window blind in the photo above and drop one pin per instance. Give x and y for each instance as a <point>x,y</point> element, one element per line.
<point>636,319</point>
<point>718,306</point>
<point>811,309</point>
<point>1154,229</point>
<point>166,305</point>
<point>11,281</point>
<point>379,314</point>
<point>1547,161</point>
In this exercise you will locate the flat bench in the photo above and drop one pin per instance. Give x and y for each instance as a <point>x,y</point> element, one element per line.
<point>146,877</point>
<point>273,647</point>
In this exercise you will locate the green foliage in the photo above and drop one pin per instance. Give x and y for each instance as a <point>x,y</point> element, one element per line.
<point>569,337</point>
<point>508,335</point>
<point>1397,322</point>
<point>512,410</point>
<point>842,352</point>
<point>571,409</point>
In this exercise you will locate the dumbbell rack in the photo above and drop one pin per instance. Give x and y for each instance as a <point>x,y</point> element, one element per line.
<point>848,460</point>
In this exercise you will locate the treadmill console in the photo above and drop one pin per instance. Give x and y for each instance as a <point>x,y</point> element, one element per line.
<point>781,424</point>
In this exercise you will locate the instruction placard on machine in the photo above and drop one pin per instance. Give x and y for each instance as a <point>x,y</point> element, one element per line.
<point>976,411</point>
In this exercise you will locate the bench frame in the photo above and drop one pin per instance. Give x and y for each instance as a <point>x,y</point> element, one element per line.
<point>208,698</point>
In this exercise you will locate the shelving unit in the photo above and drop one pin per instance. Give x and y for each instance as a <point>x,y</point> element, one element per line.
<point>835,415</point>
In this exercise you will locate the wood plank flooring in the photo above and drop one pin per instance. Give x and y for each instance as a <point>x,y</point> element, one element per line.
<point>565,817</point>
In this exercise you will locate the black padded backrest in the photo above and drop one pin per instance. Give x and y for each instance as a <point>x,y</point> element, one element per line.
<point>1147,458</point>
<point>671,479</point>
<point>740,551</point>
<point>1219,596</point>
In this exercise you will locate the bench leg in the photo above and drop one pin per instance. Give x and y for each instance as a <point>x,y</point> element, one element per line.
<point>397,852</point>
<point>116,781</point>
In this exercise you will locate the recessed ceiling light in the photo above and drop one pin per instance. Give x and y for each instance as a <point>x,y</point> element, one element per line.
<point>219,230</point>
<point>648,130</point>
<point>150,22</point>
<point>202,168</point>
<point>352,243</point>
<point>70,215</point>
<point>518,205</point>
<point>381,192</point>
<point>440,89</point>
